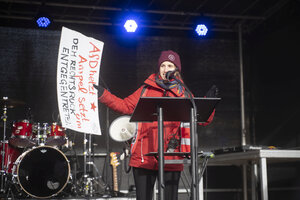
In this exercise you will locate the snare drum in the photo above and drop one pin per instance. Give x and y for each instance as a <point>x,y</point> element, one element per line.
<point>42,172</point>
<point>10,156</point>
<point>21,134</point>
<point>57,136</point>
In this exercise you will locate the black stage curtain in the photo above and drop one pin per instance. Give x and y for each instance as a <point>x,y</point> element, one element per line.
<point>28,73</point>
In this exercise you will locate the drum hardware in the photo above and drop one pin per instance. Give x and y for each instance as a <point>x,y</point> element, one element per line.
<point>4,101</point>
<point>7,156</point>
<point>67,146</point>
<point>87,188</point>
<point>29,174</point>
<point>87,183</point>
<point>38,136</point>
<point>98,180</point>
<point>50,135</point>
<point>41,171</point>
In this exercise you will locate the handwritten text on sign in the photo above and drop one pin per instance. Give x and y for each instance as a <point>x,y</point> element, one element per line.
<point>78,69</point>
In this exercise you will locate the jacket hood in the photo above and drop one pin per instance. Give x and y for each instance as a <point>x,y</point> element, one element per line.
<point>151,81</point>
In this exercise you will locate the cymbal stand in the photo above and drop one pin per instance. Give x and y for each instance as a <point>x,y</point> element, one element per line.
<point>88,180</point>
<point>85,176</point>
<point>3,170</point>
<point>90,152</point>
<point>87,184</point>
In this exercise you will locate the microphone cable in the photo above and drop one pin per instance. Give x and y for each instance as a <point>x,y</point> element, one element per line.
<point>171,74</point>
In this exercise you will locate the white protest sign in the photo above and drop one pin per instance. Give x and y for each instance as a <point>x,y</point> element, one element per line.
<point>78,68</point>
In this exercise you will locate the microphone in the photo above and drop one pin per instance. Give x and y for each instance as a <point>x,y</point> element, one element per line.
<point>170,75</point>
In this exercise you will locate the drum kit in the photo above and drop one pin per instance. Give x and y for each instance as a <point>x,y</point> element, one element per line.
<point>33,163</point>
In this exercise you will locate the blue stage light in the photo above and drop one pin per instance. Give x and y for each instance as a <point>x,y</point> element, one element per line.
<point>130,25</point>
<point>43,22</point>
<point>201,29</point>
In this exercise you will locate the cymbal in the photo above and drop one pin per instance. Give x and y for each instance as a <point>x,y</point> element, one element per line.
<point>10,103</point>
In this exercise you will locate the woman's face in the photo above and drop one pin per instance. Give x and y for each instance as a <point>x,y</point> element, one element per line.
<point>165,67</point>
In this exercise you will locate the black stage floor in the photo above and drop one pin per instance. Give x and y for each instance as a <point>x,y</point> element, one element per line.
<point>73,198</point>
<point>79,198</point>
<point>106,196</point>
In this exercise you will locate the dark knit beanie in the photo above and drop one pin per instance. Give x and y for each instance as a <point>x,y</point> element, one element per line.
<point>170,56</point>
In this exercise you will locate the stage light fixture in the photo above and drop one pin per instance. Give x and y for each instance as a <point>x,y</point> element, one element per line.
<point>130,25</point>
<point>43,22</point>
<point>201,29</point>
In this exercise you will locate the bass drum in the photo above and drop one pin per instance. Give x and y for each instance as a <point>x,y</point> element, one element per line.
<point>42,172</point>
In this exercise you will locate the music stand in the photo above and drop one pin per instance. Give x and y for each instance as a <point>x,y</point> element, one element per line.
<point>160,109</point>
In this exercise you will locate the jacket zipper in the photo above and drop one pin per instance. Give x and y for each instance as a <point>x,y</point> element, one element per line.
<point>142,150</point>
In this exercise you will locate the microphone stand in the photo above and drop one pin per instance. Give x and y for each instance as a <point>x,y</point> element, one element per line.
<point>85,176</point>
<point>197,173</point>
<point>187,89</point>
<point>194,142</point>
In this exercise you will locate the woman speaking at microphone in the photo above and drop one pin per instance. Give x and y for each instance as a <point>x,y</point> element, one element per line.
<point>145,168</point>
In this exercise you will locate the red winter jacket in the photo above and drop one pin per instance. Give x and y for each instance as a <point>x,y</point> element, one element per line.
<point>146,137</point>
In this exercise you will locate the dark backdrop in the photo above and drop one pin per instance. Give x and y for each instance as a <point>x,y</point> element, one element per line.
<point>28,73</point>
<point>273,81</point>
<point>28,70</point>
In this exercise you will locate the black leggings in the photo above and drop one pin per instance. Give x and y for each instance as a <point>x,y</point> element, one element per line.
<point>145,179</point>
